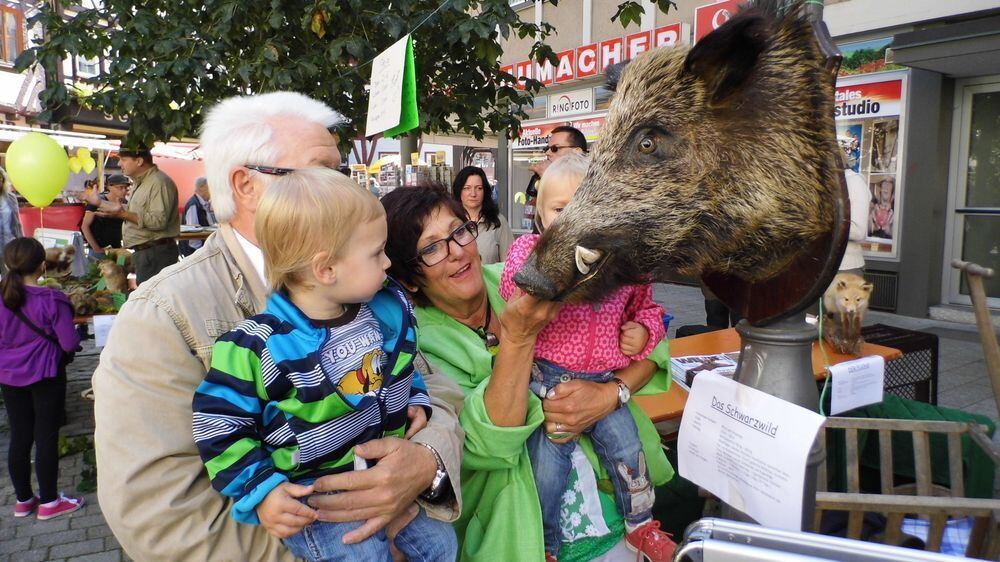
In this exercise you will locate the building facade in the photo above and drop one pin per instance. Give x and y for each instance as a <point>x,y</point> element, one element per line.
<point>917,112</point>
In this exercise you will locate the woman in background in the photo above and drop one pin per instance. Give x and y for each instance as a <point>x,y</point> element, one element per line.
<point>10,220</point>
<point>472,189</point>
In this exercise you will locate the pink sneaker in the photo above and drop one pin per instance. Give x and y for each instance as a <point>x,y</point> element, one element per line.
<point>25,508</point>
<point>59,507</point>
<point>650,542</point>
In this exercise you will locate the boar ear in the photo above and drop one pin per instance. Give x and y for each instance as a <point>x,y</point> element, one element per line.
<point>725,58</point>
<point>613,74</point>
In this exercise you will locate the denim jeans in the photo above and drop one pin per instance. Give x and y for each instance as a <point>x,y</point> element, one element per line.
<point>616,442</point>
<point>422,540</point>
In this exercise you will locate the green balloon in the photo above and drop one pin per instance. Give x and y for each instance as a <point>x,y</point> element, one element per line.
<point>38,167</point>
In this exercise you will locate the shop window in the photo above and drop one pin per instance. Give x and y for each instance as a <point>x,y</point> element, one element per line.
<point>12,34</point>
<point>602,98</point>
<point>87,68</point>
<point>537,108</point>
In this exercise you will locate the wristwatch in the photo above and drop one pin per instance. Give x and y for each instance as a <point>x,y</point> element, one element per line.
<point>438,484</point>
<point>624,394</point>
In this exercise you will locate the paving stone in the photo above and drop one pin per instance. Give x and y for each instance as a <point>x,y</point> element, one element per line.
<point>98,532</point>
<point>15,545</point>
<point>33,555</point>
<point>58,537</point>
<point>98,557</point>
<point>88,520</point>
<point>76,548</point>
<point>43,527</point>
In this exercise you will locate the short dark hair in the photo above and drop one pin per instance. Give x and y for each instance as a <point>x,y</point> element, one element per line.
<point>490,212</point>
<point>406,213</point>
<point>575,136</point>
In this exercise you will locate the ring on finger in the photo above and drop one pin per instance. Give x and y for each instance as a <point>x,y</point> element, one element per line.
<point>559,427</point>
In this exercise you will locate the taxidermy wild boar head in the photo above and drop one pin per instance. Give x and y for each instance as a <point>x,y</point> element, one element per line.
<point>717,159</point>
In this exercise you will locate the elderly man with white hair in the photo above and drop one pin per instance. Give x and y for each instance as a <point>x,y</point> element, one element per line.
<point>152,486</point>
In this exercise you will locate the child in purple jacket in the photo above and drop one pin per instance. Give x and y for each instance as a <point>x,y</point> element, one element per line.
<point>36,330</point>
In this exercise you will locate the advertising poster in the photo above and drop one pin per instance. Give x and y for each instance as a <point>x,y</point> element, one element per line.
<point>868,110</point>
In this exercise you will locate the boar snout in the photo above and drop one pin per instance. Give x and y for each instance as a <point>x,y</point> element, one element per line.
<point>532,281</point>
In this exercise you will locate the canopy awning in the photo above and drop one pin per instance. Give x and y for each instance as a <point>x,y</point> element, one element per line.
<point>178,150</point>
<point>965,48</point>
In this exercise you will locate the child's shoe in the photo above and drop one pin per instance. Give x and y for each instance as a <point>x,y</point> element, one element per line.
<point>61,506</point>
<point>549,557</point>
<point>652,543</point>
<point>25,508</point>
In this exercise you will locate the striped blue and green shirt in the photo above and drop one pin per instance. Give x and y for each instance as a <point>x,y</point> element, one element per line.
<point>287,399</point>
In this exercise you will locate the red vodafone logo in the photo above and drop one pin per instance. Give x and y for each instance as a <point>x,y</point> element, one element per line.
<point>710,17</point>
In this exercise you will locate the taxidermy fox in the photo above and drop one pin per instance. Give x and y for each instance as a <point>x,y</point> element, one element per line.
<point>844,306</point>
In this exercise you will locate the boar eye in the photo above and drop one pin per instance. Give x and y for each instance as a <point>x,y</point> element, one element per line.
<point>647,145</point>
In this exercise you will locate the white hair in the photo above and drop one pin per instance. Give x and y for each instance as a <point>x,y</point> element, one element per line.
<point>239,130</point>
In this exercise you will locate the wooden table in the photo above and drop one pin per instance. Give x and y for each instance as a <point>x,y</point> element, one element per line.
<point>670,405</point>
<point>198,235</point>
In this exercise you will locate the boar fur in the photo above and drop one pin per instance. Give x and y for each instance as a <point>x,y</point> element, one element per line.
<point>714,159</point>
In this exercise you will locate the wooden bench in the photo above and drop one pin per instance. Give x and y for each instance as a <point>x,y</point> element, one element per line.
<point>923,498</point>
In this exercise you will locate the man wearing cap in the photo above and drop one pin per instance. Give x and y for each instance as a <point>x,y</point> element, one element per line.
<point>152,222</point>
<point>102,232</point>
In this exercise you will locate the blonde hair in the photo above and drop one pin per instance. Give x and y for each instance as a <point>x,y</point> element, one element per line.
<point>305,213</point>
<point>569,169</point>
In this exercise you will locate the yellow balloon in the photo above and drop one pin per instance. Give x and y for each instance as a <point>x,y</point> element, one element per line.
<point>74,165</point>
<point>83,153</point>
<point>89,164</point>
<point>38,167</point>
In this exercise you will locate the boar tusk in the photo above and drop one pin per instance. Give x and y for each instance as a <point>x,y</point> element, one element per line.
<point>585,257</point>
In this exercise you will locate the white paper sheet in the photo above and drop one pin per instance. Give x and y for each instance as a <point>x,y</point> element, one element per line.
<point>748,448</point>
<point>856,383</point>
<point>385,96</point>
<point>102,326</point>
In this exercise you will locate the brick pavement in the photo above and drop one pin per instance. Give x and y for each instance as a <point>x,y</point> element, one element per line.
<point>82,536</point>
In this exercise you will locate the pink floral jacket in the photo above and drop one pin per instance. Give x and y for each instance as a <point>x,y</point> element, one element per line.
<point>585,337</point>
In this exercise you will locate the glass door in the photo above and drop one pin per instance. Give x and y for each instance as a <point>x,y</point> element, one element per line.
<point>974,218</point>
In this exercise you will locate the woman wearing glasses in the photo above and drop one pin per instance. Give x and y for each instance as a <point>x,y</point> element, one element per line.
<point>470,334</point>
<point>475,193</point>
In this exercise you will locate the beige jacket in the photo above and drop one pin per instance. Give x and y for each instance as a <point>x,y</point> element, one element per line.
<point>152,486</point>
<point>154,200</point>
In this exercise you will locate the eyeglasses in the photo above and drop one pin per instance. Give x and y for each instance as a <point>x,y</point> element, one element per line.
<point>269,170</point>
<point>553,148</point>
<point>435,252</point>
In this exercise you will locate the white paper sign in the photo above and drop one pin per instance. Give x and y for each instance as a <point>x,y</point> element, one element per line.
<point>856,383</point>
<point>748,448</point>
<point>385,98</point>
<point>102,326</point>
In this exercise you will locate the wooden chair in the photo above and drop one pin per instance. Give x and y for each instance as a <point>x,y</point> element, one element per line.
<point>923,497</point>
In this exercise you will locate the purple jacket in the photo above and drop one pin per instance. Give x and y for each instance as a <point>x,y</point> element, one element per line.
<point>26,357</point>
